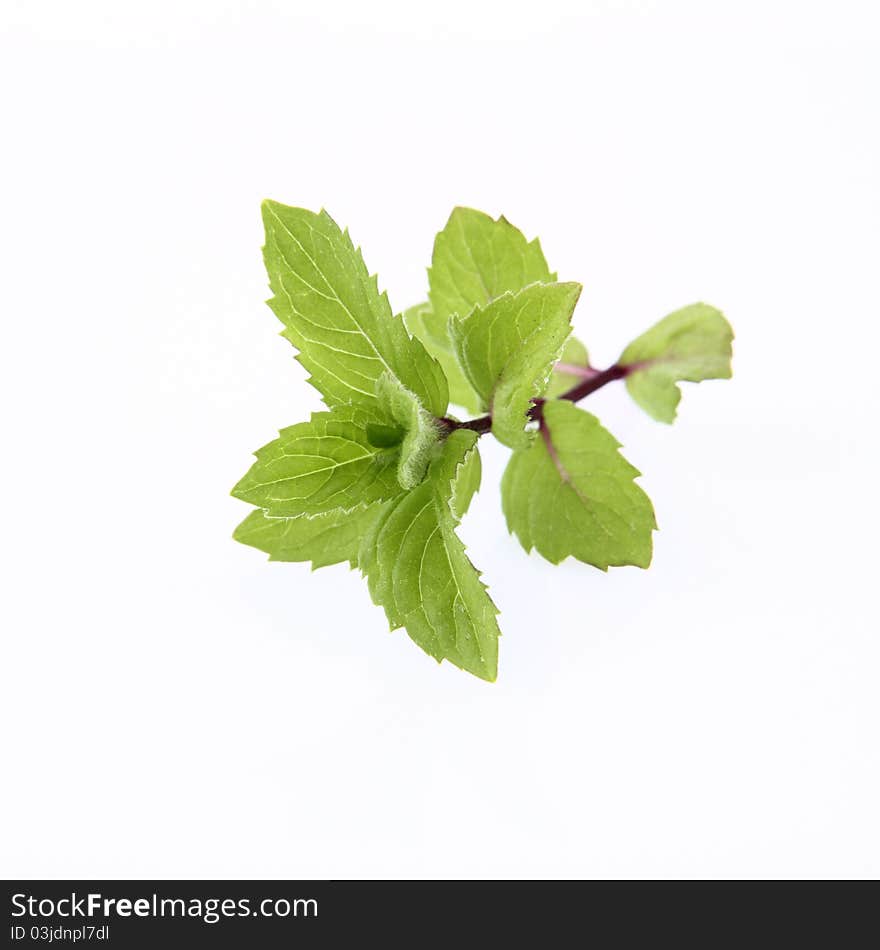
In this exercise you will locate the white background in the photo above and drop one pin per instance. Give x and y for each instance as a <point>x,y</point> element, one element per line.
<point>174,706</point>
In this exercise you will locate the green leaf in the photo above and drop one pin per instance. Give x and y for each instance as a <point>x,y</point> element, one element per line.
<point>384,436</point>
<point>477,259</point>
<point>333,313</point>
<point>573,368</point>
<point>329,538</point>
<point>466,484</point>
<point>690,345</point>
<point>418,570</point>
<point>433,331</point>
<point>508,349</point>
<point>571,494</point>
<point>420,429</point>
<point>316,466</point>
<point>372,568</point>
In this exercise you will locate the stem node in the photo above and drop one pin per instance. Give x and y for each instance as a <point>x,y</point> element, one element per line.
<point>483,424</point>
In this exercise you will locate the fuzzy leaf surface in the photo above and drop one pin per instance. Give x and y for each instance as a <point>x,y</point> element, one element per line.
<point>419,427</point>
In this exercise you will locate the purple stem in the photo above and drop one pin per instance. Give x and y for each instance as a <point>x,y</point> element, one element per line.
<point>599,379</point>
<point>574,369</point>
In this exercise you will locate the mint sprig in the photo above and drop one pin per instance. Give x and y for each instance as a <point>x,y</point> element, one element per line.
<point>383,478</point>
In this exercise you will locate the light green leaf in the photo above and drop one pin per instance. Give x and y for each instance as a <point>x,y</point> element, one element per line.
<point>690,345</point>
<point>321,465</point>
<point>420,429</point>
<point>466,484</point>
<point>571,493</point>
<point>508,349</point>
<point>334,314</point>
<point>328,538</point>
<point>418,570</point>
<point>432,330</point>
<point>477,259</point>
<point>384,435</point>
<point>374,570</point>
<point>573,368</point>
